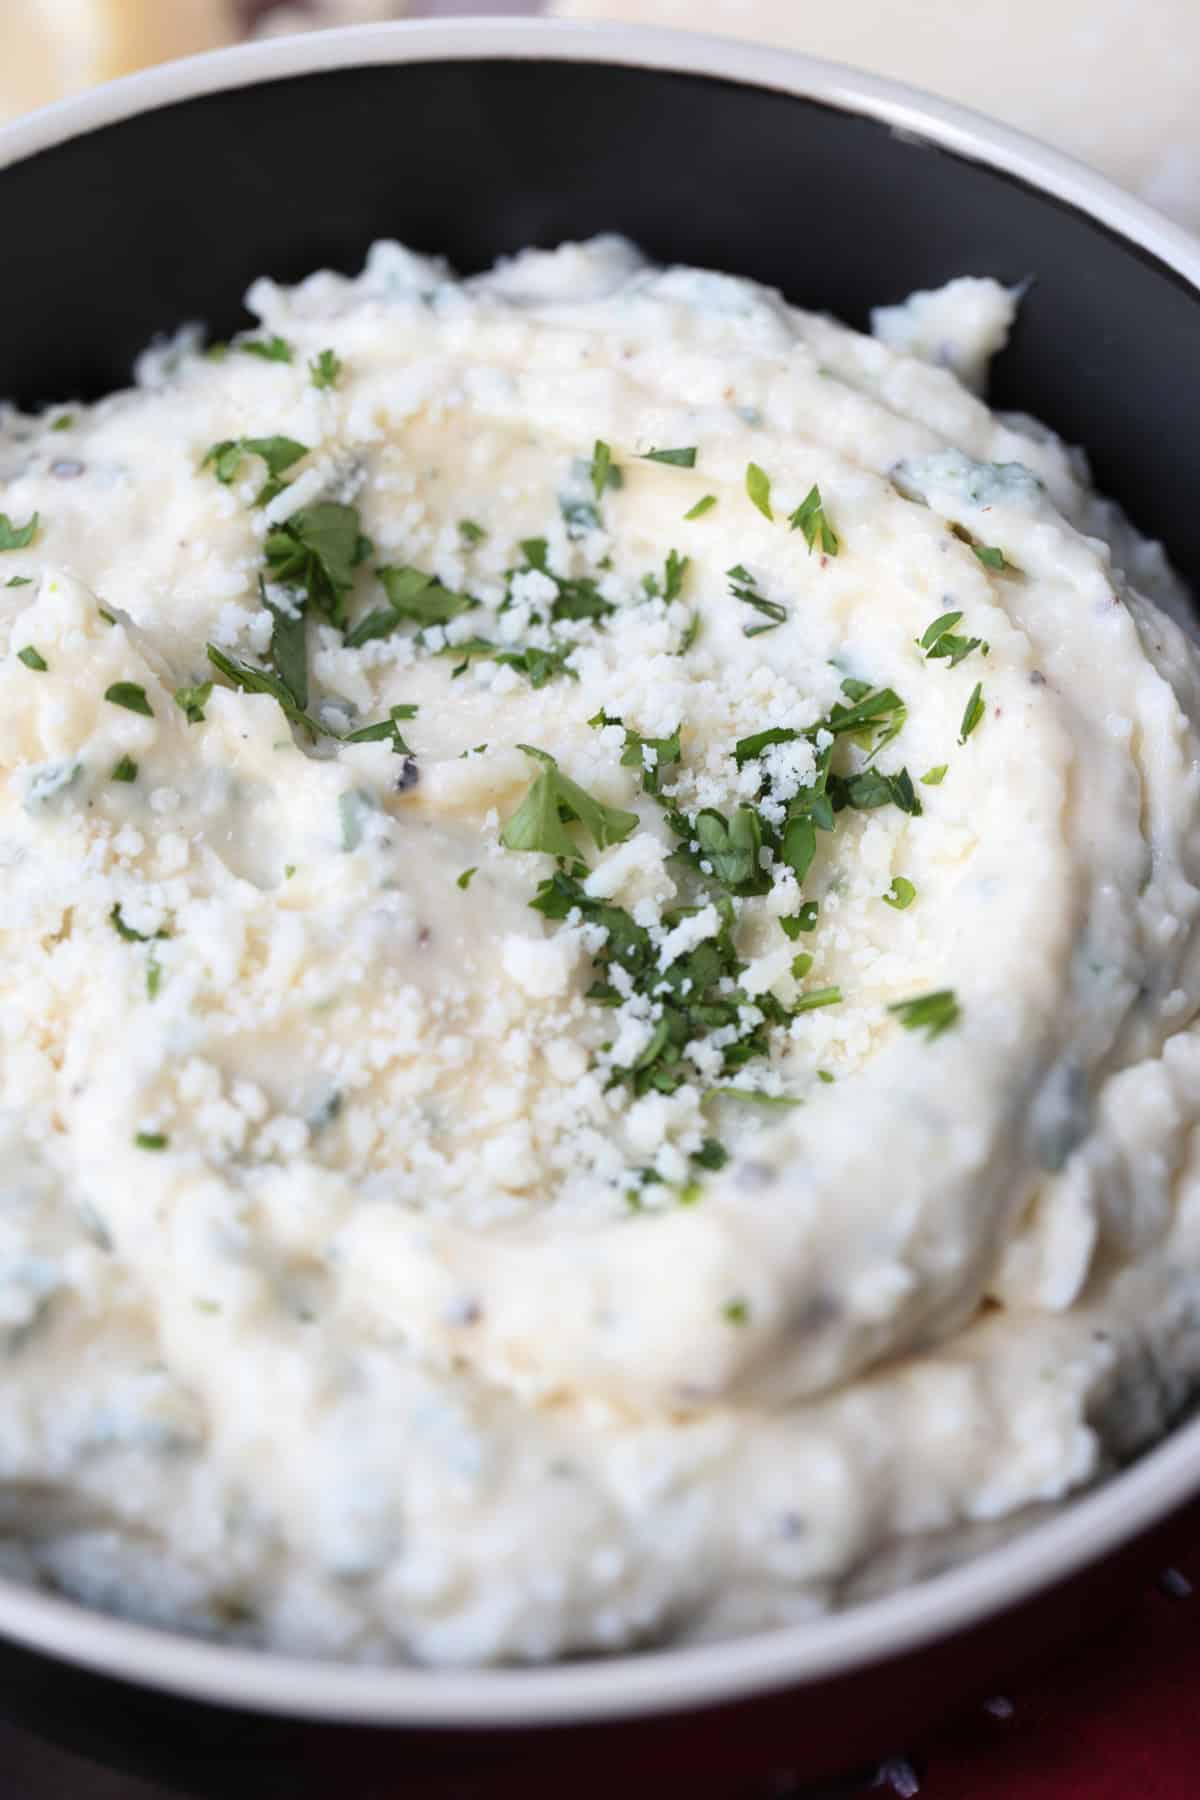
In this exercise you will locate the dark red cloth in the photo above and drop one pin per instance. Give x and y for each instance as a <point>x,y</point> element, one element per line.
<point>1117,1720</point>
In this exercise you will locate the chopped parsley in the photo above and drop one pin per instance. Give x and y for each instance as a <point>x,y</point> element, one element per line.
<point>153,976</point>
<point>325,369</point>
<point>19,581</point>
<point>127,931</point>
<point>678,459</point>
<point>701,507</point>
<point>317,552</point>
<point>804,920</point>
<point>974,712</point>
<point>940,639</point>
<point>825,1076</point>
<point>901,894</point>
<point>385,730</point>
<point>191,701</point>
<point>33,659</point>
<point>470,532</point>
<point>991,557</point>
<point>539,823</point>
<point>817,997</point>
<point>129,695</point>
<point>649,754</point>
<point>934,777</point>
<point>755,1095</point>
<point>151,1140</point>
<point>810,517</point>
<point>736,1312</point>
<point>412,597</point>
<point>279,454</point>
<point>17,537</point>
<point>758,486</point>
<point>930,1013</point>
<point>272,349</point>
<point>63,422</point>
<point>604,471</point>
<point>671,586</point>
<point>125,770</point>
<point>801,965</point>
<point>464,880</point>
<point>743,587</point>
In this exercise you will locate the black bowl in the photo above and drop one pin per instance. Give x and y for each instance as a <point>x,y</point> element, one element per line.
<point>157,201</point>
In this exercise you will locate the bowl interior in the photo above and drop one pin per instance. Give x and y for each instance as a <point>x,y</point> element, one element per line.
<point>165,217</point>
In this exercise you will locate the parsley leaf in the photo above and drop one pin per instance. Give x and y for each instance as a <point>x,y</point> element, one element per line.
<point>664,751</point>
<point>604,471</point>
<point>464,880</point>
<point>743,587</point>
<point>736,1312</point>
<point>810,518</point>
<point>151,1140</point>
<point>131,696</point>
<point>901,894</point>
<point>279,454</point>
<point>384,729</point>
<point>975,710</point>
<point>941,640</point>
<point>273,349</point>
<point>817,997</point>
<point>128,933</point>
<point>538,823</point>
<point>412,596</point>
<point>701,507</point>
<point>325,369</point>
<point>935,777</point>
<point>125,770</point>
<point>317,551</point>
<point>470,532</point>
<point>33,659</point>
<point>192,700</point>
<point>930,1013</point>
<point>678,459</point>
<point>991,557</point>
<point>262,681</point>
<point>17,537</point>
<point>758,486</point>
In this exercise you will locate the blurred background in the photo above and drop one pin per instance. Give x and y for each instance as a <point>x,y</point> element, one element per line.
<point>1116,82</point>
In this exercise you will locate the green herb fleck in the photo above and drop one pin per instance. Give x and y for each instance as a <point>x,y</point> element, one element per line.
<point>744,588</point>
<point>325,369</point>
<point>701,507</point>
<point>828,996</point>
<point>901,894</point>
<point>464,880</point>
<point>736,1312</point>
<point>125,770</point>
<point>604,472</point>
<point>678,459</point>
<point>273,349</point>
<point>33,659</point>
<point>63,422</point>
<point>193,700</point>
<point>470,532</point>
<point>127,931</point>
<point>810,517</point>
<point>758,486</point>
<point>151,1140</point>
<point>129,695</point>
<point>941,640</point>
<point>825,1076</point>
<point>930,1013</point>
<point>974,712</point>
<point>153,977</point>
<point>553,799</point>
<point>935,777</point>
<point>991,557</point>
<point>19,581</point>
<point>17,537</point>
<point>317,551</point>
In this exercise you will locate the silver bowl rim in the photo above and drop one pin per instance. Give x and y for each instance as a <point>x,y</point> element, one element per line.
<point>874,1631</point>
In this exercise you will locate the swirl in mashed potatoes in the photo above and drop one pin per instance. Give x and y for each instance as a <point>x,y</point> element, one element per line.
<point>601,911</point>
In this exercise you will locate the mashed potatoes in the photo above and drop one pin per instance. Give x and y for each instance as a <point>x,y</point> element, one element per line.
<point>601,890</point>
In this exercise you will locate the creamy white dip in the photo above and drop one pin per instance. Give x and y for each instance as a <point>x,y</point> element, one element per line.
<point>391,1267</point>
